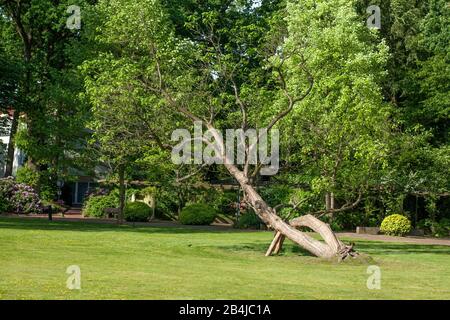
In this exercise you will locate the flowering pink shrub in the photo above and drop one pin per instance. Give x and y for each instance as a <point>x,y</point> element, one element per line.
<point>6,186</point>
<point>24,199</point>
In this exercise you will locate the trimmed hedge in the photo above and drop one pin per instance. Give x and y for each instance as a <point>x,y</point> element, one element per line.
<point>95,206</point>
<point>396,225</point>
<point>137,212</point>
<point>197,214</point>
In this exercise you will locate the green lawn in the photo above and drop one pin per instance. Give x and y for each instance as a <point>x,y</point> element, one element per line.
<point>122,262</point>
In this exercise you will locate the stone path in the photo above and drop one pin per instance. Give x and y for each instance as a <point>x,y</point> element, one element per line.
<point>408,239</point>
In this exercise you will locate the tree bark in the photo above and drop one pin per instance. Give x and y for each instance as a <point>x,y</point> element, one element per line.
<point>279,245</point>
<point>330,204</point>
<point>274,244</point>
<point>332,247</point>
<point>332,201</point>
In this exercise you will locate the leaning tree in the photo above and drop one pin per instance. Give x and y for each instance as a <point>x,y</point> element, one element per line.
<point>226,65</point>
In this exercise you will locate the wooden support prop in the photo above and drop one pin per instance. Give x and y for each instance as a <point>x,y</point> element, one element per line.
<point>275,240</point>
<point>279,245</point>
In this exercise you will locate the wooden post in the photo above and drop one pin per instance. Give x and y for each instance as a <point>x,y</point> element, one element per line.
<point>279,245</point>
<point>275,240</point>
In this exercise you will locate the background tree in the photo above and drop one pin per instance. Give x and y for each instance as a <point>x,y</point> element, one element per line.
<point>337,139</point>
<point>417,85</point>
<point>119,123</point>
<point>49,85</point>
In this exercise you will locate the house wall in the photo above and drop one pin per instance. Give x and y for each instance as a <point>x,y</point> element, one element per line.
<point>19,156</point>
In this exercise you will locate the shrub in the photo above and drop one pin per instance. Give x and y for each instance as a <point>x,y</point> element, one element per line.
<point>396,225</point>
<point>28,176</point>
<point>225,202</point>
<point>56,206</point>
<point>95,206</point>
<point>352,219</point>
<point>444,223</point>
<point>41,181</point>
<point>437,229</point>
<point>248,220</point>
<point>4,205</point>
<point>137,212</point>
<point>18,197</point>
<point>6,190</point>
<point>166,204</point>
<point>24,199</point>
<point>197,214</point>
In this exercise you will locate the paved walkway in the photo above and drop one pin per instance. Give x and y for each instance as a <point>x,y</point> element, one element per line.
<point>227,227</point>
<point>408,239</point>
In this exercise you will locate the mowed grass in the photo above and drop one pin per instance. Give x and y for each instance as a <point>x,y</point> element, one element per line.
<point>122,262</point>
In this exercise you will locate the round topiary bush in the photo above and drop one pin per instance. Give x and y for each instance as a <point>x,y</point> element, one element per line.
<point>395,225</point>
<point>137,212</point>
<point>197,214</point>
<point>95,206</point>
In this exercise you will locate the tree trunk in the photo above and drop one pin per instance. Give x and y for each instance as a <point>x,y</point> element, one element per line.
<point>332,247</point>
<point>11,145</point>
<point>121,192</point>
<point>330,204</point>
<point>332,201</point>
<point>327,201</point>
<point>153,206</point>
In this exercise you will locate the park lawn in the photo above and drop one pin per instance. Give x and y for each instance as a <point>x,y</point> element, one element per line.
<point>125,262</point>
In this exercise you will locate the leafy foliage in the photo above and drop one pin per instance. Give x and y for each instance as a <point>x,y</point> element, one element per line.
<point>24,199</point>
<point>396,225</point>
<point>95,206</point>
<point>137,212</point>
<point>372,130</point>
<point>197,214</point>
<point>439,228</point>
<point>249,220</point>
<point>6,190</point>
<point>18,197</point>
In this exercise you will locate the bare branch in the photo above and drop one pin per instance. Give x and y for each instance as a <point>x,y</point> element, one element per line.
<point>190,174</point>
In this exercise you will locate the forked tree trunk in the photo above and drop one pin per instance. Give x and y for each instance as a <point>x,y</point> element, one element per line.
<point>332,247</point>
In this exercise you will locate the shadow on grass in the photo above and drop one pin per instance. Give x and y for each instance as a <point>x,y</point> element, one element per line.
<point>288,249</point>
<point>364,247</point>
<point>98,226</point>
<point>386,248</point>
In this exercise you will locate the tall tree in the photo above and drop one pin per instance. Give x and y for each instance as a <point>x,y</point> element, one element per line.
<point>54,114</point>
<point>220,79</point>
<point>338,138</point>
